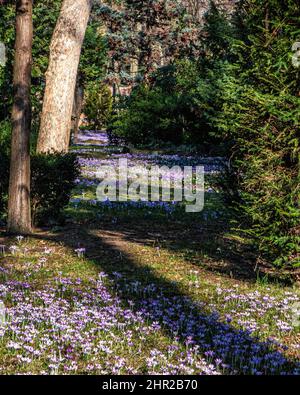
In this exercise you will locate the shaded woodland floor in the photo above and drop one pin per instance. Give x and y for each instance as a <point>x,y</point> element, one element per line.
<point>137,288</point>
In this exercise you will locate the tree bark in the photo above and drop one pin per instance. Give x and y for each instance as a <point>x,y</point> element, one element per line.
<point>19,214</point>
<point>65,49</point>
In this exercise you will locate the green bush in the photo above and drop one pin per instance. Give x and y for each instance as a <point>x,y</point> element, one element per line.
<point>4,179</point>
<point>5,135</point>
<point>150,116</point>
<point>52,181</point>
<point>98,106</point>
<point>166,110</point>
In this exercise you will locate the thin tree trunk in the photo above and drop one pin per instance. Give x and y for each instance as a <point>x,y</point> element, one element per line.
<point>77,108</point>
<point>19,215</point>
<point>65,49</point>
<point>267,18</point>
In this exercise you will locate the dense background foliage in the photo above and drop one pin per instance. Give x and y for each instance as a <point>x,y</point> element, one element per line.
<point>261,112</point>
<point>98,106</point>
<point>240,95</point>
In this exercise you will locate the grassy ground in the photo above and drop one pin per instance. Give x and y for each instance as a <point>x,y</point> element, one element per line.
<point>131,289</point>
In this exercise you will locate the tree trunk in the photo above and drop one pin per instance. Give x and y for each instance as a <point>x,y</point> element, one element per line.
<point>77,108</point>
<point>19,215</point>
<point>267,18</point>
<point>65,49</point>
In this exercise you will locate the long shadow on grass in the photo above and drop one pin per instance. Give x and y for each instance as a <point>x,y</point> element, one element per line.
<point>161,301</point>
<point>209,243</point>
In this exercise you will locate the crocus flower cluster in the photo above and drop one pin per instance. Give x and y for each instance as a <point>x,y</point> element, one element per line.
<point>110,325</point>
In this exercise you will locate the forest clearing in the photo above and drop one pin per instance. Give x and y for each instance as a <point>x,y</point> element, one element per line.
<point>149,191</point>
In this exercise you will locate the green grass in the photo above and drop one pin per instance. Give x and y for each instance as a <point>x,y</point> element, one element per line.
<point>196,256</point>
